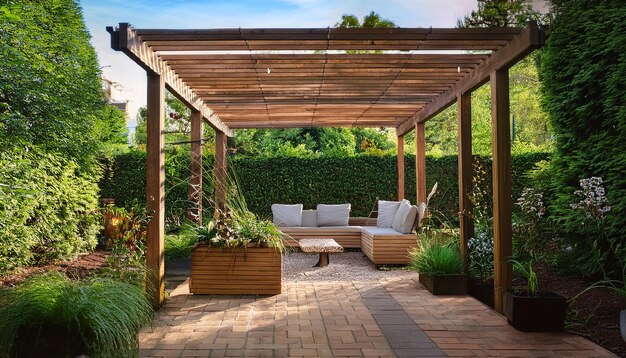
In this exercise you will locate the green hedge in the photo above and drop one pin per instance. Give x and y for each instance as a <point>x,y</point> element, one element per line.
<point>357,180</point>
<point>48,209</point>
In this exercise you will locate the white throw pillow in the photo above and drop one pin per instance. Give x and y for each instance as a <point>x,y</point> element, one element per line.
<point>409,221</point>
<point>287,215</point>
<point>309,218</point>
<point>386,212</point>
<point>401,214</point>
<point>333,215</point>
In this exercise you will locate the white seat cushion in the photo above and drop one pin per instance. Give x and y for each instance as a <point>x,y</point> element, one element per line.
<point>386,212</point>
<point>333,215</point>
<point>375,230</point>
<point>309,218</point>
<point>287,215</point>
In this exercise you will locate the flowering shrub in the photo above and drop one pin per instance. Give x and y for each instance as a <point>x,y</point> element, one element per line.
<point>480,248</point>
<point>593,202</point>
<point>596,251</point>
<point>531,202</point>
<point>531,239</point>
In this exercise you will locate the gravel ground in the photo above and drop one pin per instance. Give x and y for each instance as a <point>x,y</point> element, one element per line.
<point>298,267</point>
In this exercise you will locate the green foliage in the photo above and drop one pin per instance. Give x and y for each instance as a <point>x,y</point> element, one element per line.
<point>111,128</point>
<point>50,315</point>
<point>179,245</point>
<point>436,257</point>
<point>357,180</point>
<point>371,20</point>
<point>583,69</point>
<point>500,13</point>
<point>312,142</point>
<point>49,79</point>
<point>530,276</point>
<point>48,208</point>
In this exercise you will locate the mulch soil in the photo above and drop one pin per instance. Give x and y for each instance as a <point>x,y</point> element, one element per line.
<point>594,314</point>
<point>79,267</point>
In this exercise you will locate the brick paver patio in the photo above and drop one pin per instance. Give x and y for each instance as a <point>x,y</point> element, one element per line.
<point>390,317</point>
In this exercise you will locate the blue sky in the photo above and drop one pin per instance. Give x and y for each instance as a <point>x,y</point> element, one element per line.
<point>242,13</point>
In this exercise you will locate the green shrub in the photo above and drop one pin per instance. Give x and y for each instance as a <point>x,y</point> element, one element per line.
<point>436,257</point>
<point>179,245</point>
<point>48,208</point>
<point>583,69</point>
<point>357,180</point>
<point>52,316</point>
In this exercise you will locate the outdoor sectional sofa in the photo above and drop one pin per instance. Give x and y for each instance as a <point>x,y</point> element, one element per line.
<point>384,240</point>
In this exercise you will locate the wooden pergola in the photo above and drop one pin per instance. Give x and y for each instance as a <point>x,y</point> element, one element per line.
<point>329,77</point>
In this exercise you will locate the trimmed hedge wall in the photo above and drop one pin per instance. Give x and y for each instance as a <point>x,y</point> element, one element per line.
<point>357,180</point>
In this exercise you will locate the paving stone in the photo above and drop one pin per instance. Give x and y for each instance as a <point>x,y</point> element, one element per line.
<point>391,316</point>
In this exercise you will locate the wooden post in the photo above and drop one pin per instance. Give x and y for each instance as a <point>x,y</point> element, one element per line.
<point>466,225</point>
<point>195,179</point>
<point>155,187</point>
<point>400,167</point>
<point>501,142</point>
<point>420,163</point>
<point>220,170</point>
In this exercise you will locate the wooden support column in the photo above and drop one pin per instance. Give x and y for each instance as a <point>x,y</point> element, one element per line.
<point>220,170</point>
<point>466,225</point>
<point>195,168</point>
<point>400,167</point>
<point>155,187</point>
<point>501,142</point>
<point>420,162</point>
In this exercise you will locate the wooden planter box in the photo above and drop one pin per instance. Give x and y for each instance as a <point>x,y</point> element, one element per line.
<point>254,271</point>
<point>542,313</point>
<point>444,284</point>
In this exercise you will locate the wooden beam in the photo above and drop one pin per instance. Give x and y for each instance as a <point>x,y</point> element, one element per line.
<point>528,40</point>
<point>420,162</point>
<point>155,187</point>
<point>501,143</point>
<point>195,169</point>
<point>400,165</point>
<point>125,39</point>
<point>466,224</point>
<point>219,167</point>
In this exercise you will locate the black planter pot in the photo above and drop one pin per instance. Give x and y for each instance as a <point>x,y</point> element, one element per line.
<point>481,290</point>
<point>542,313</point>
<point>444,284</point>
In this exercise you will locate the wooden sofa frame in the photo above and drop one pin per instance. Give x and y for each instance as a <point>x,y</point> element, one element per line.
<point>380,249</point>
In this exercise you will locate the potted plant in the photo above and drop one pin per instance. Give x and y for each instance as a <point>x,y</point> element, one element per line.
<point>533,310</point>
<point>237,254</point>
<point>480,267</point>
<point>440,267</point>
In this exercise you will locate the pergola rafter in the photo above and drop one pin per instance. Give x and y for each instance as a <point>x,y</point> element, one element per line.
<point>283,78</point>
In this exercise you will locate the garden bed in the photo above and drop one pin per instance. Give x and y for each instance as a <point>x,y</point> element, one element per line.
<point>79,267</point>
<point>594,314</point>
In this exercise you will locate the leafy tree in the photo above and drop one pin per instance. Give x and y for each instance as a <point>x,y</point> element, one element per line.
<point>372,20</point>
<point>583,69</point>
<point>49,79</point>
<point>177,123</point>
<point>111,128</point>
<point>500,13</point>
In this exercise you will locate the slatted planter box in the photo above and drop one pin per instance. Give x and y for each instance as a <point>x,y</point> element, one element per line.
<point>255,271</point>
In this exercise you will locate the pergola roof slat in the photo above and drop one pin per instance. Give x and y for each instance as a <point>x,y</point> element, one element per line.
<point>280,78</point>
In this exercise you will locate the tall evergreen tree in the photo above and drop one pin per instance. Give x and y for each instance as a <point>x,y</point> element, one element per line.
<point>583,70</point>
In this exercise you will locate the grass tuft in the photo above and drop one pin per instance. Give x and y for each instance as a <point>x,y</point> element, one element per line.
<point>436,258</point>
<point>53,316</point>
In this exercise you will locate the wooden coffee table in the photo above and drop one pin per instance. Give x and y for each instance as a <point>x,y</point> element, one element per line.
<point>321,246</point>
